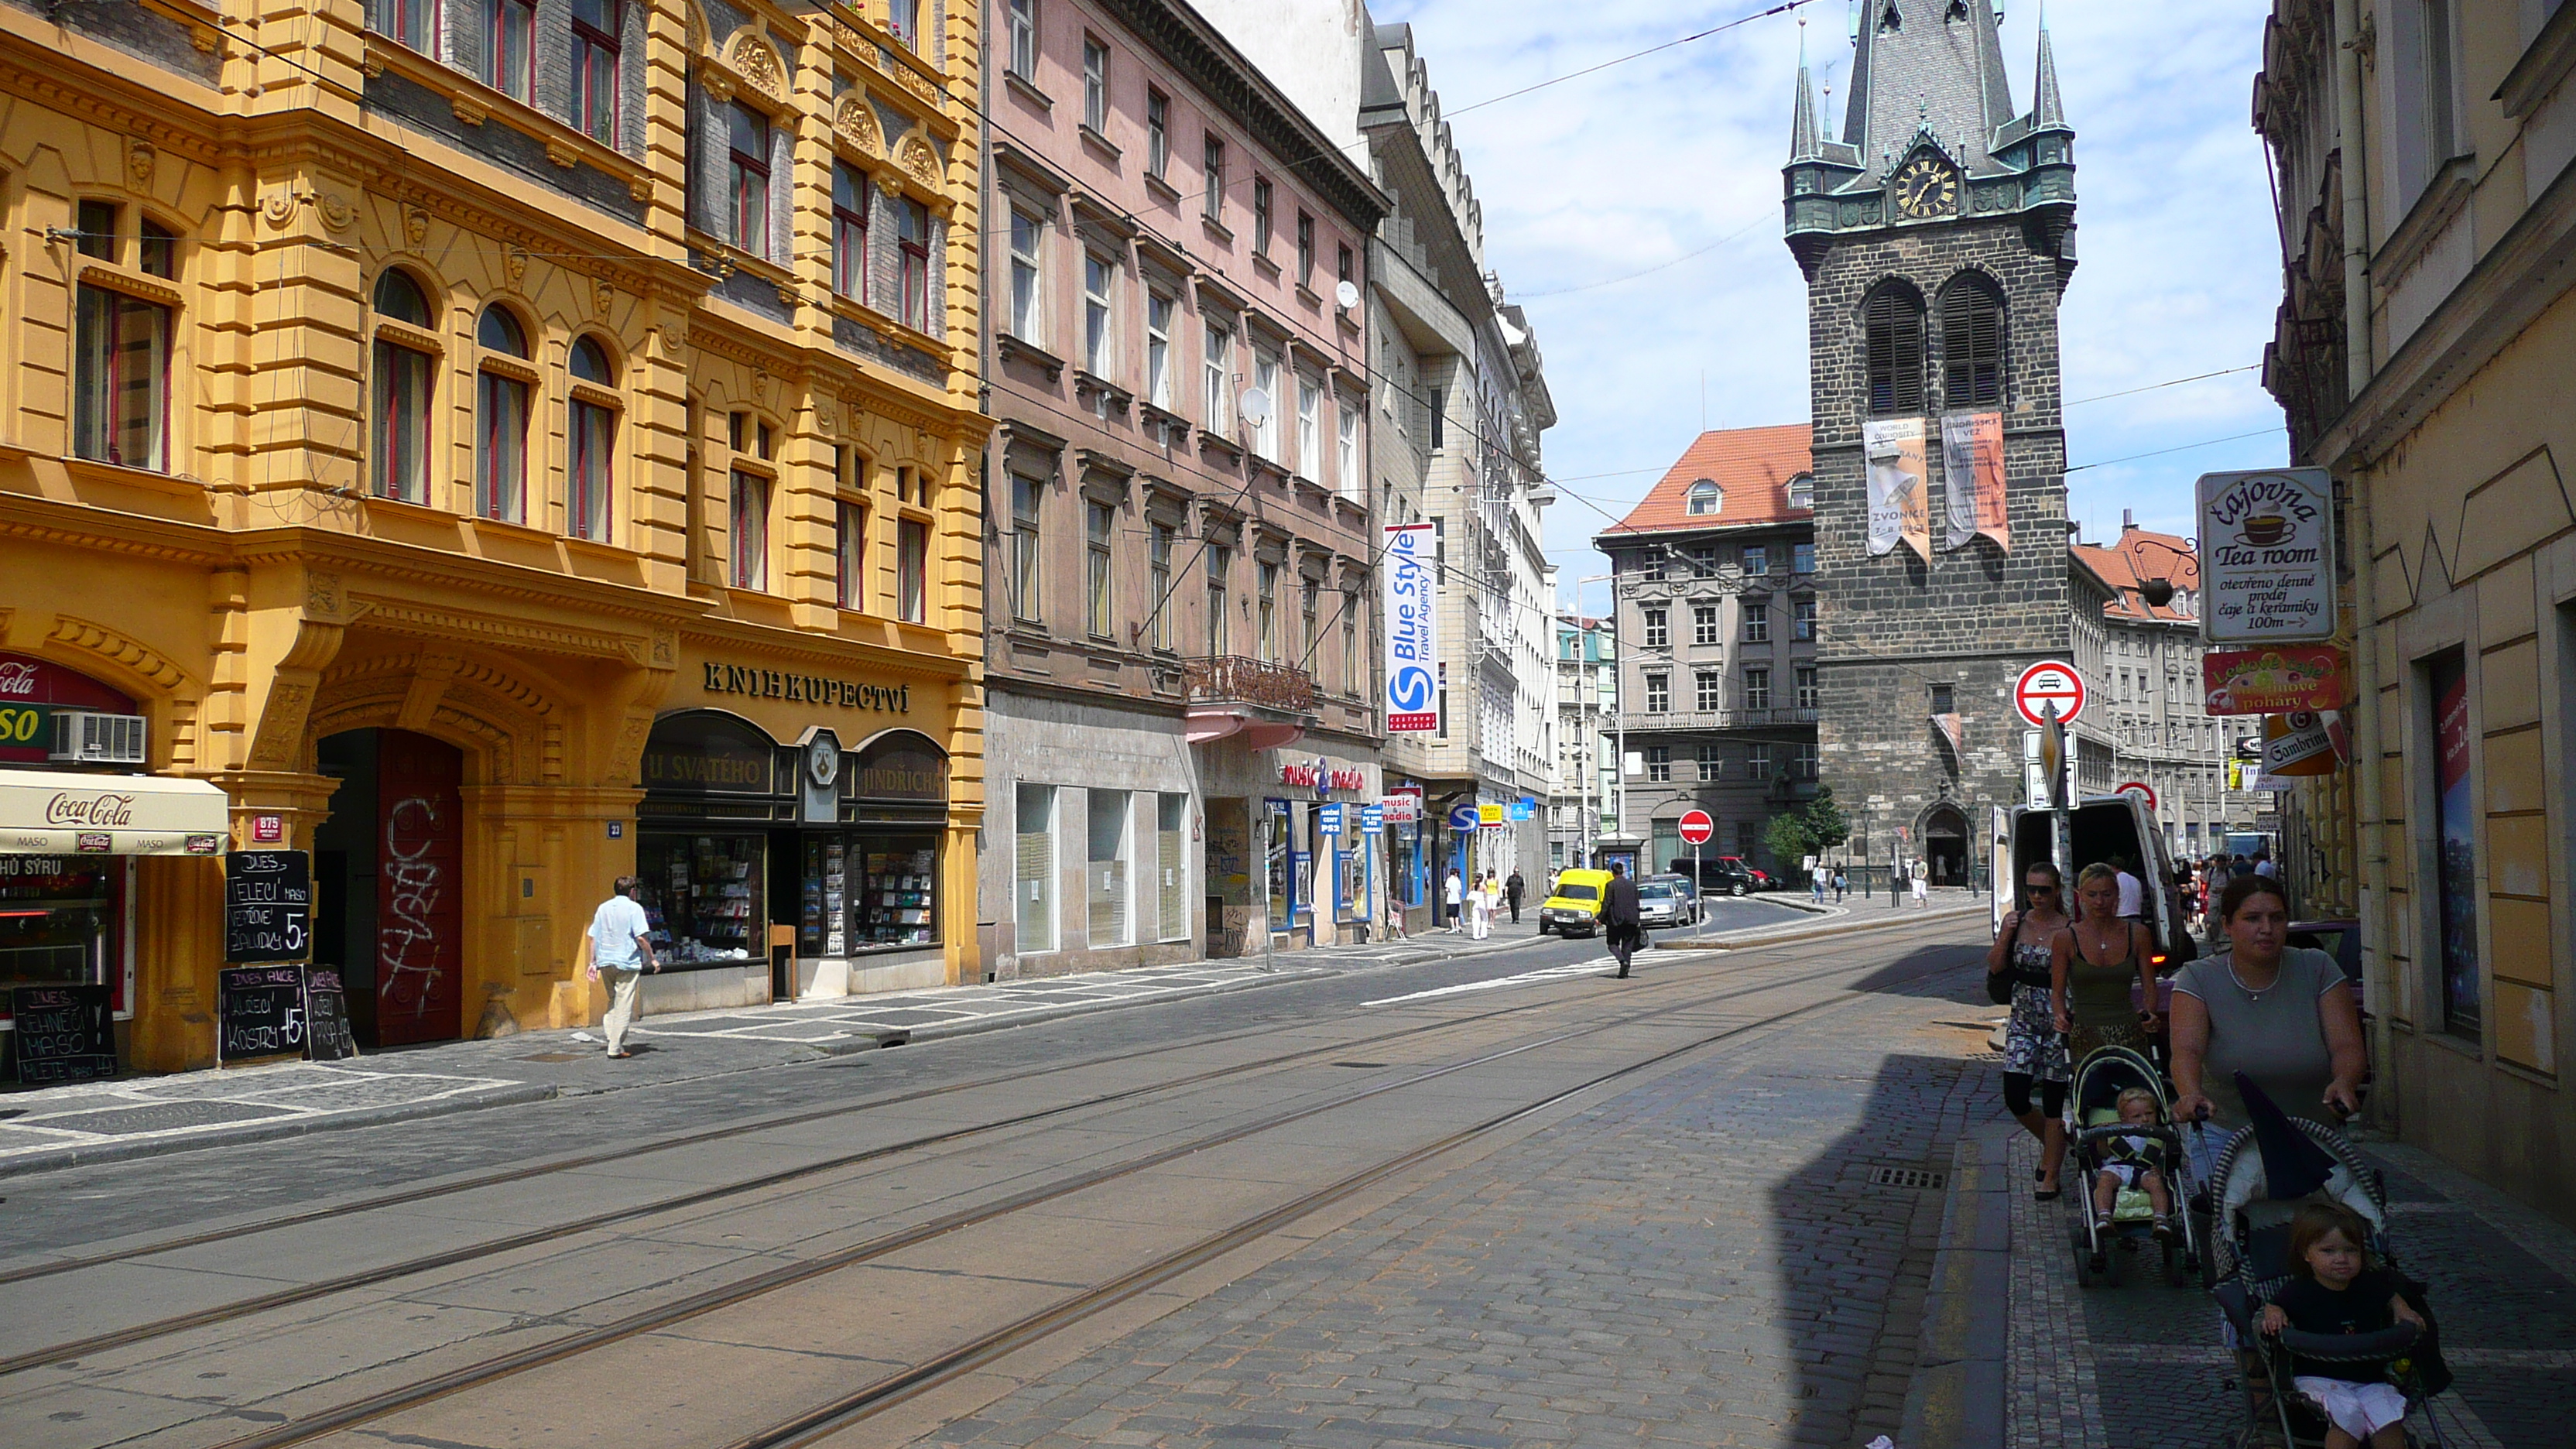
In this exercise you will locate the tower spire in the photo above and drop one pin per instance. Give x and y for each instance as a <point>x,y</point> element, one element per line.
<point>2047,107</point>
<point>1804,143</point>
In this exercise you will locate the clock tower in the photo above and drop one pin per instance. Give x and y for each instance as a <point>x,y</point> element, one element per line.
<point>1937,232</point>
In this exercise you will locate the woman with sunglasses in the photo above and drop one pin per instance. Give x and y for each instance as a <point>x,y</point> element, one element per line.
<point>2033,1049</point>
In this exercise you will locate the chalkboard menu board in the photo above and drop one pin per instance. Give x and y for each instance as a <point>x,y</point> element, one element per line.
<point>259,1012</point>
<point>327,1034</point>
<point>65,1033</point>
<point>268,905</point>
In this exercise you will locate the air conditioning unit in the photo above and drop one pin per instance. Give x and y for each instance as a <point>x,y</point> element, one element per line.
<point>85,737</point>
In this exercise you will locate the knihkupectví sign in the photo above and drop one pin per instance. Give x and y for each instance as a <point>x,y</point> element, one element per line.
<point>1412,594</point>
<point>268,906</point>
<point>64,1034</point>
<point>2267,568</point>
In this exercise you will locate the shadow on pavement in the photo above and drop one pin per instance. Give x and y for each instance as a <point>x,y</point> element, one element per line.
<point>1905,976</point>
<point>1855,1228</point>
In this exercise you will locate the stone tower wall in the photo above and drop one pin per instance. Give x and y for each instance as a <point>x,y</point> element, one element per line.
<point>1892,626</point>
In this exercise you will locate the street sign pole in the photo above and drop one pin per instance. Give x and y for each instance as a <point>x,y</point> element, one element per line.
<point>1699,901</point>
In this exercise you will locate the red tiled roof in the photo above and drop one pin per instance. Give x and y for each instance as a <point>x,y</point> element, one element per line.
<point>1752,466</point>
<point>2140,554</point>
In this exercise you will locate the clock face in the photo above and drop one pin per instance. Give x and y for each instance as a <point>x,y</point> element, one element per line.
<point>1926,187</point>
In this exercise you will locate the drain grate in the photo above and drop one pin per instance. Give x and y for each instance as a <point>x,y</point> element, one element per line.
<point>1910,1177</point>
<point>1366,1065</point>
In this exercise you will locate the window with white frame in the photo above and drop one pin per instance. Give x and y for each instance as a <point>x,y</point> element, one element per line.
<point>1026,493</point>
<point>1757,762</point>
<point>1346,461</point>
<point>121,380</point>
<point>912,254</point>
<point>1158,133</point>
<point>850,553</point>
<point>1712,764</point>
<point>1212,165</point>
<point>1704,628</point>
<point>1158,350</point>
<point>1100,533</point>
<point>911,570</point>
<point>413,22</point>
<point>1310,429</point>
<point>749,517</point>
<point>1265,431</point>
<point>1757,689</point>
<point>1022,22</point>
<point>1095,86</point>
<point>1098,278</point>
<point>1158,579</point>
<point>1027,237</point>
<point>1219,561</point>
<point>1219,358</point>
<point>1265,612</point>
<point>1033,868</point>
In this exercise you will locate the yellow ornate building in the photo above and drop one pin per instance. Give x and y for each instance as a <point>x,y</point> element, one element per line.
<point>503,446</point>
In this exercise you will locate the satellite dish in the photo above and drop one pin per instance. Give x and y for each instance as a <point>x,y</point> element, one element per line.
<point>1255,406</point>
<point>1348,294</point>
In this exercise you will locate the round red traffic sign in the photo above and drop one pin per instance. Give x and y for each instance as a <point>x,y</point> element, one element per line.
<point>2051,681</point>
<point>1697,827</point>
<point>2145,792</point>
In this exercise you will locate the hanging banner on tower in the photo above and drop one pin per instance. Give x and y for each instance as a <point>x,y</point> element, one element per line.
<point>1898,508</point>
<point>1972,470</point>
<point>1412,632</point>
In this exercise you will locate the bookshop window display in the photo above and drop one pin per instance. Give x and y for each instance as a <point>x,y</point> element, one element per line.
<point>702,896</point>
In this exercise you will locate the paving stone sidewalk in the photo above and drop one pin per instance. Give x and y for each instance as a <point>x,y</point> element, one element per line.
<point>2139,1365</point>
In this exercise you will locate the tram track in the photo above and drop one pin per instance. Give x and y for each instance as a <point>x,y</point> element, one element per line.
<point>405,1197</point>
<point>932,1370</point>
<point>317,1289</point>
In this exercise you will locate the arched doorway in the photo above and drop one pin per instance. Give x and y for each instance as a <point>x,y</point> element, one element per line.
<point>389,868</point>
<point>1945,845</point>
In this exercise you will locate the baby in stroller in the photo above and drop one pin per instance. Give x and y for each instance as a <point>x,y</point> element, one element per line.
<point>2134,1162</point>
<point>2336,1289</point>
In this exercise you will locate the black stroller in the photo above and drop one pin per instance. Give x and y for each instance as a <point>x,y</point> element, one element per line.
<point>2092,1125</point>
<point>2251,1251</point>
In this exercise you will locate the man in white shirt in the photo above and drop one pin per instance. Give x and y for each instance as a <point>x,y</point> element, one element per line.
<point>2265,867</point>
<point>1451,895</point>
<point>621,951</point>
<point>2133,892</point>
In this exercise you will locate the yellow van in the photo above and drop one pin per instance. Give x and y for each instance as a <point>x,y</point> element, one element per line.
<point>1575,908</point>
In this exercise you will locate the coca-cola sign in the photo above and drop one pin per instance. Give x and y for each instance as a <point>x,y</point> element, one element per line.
<point>31,689</point>
<point>104,811</point>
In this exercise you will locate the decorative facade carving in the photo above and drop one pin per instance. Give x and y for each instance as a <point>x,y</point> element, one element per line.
<point>855,122</point>
<point>758,65</point>
<point>919,157</point>
<point>139,160</point>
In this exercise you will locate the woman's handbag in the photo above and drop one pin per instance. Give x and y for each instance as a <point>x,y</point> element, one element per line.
<point>1999,987</point>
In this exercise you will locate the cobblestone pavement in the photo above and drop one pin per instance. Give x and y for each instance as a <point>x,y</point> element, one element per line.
<point>1722,1256</point>
<point>2139,1365</point>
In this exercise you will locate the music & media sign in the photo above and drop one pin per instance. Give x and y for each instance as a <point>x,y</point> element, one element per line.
<point>1411,586</point>
<point>2267,567</point>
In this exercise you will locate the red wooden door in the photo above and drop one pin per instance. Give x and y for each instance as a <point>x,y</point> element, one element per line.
<point>420,826</point>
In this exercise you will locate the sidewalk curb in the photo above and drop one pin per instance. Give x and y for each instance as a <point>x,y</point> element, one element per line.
<point>1956,1400</point>
<point>92,1154</point>
<point>1769,936</point>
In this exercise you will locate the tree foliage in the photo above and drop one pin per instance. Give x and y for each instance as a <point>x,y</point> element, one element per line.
<point>1793,835</point>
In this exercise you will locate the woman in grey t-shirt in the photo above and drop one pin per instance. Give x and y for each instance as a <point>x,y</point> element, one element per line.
<point>2284,1017</point>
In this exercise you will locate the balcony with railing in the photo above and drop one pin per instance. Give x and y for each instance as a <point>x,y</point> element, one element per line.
<point>1639,721</point>
<point>1267,703</point>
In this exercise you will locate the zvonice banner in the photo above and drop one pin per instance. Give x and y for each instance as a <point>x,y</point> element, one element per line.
<point>1412,631</point>
<point>1972,470</point>
<point>1898,510</point>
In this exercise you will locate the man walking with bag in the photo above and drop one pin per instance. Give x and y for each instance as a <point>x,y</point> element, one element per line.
<point>620,954</point>
<point>1512,892</point>
<point>1620,915</point>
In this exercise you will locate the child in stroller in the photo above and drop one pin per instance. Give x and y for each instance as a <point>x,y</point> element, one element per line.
<point>2134,1161</point>
<point>2125,1145</point>
<point>2337,1291</point>
<point>2298,1213</point>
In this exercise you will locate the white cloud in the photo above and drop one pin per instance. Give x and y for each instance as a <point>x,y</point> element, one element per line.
<point>1627,169</point>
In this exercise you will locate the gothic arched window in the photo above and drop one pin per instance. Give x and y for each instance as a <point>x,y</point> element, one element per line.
<point>1972,343</point>
<point>1892,326</point>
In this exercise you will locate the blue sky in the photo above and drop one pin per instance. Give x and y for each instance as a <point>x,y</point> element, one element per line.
<point>1647,162</point>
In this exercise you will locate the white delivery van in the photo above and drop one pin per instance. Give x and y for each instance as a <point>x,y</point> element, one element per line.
<point>2100,827</point>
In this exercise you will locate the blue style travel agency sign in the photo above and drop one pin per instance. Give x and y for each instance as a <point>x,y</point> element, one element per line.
<point>1412,633</point>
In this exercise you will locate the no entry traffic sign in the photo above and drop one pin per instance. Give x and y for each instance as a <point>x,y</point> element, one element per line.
<point>1696,827</point>
<point>2145,792</point>
<point>2051,681</point>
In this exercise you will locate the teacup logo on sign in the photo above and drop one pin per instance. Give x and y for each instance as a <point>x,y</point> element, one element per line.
<point>2265,510</point>
<point>99,810</point>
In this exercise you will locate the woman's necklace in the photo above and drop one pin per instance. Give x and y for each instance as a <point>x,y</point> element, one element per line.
<point>2252,993</point>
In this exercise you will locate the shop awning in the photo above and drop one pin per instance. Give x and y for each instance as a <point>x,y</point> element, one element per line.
<point>45,812</point>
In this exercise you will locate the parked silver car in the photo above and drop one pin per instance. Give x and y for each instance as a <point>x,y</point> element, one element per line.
<point>1666,903</point>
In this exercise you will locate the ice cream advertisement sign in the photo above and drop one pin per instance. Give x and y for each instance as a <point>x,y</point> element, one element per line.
<point>2276,681</point>
<point>2267,564</point>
